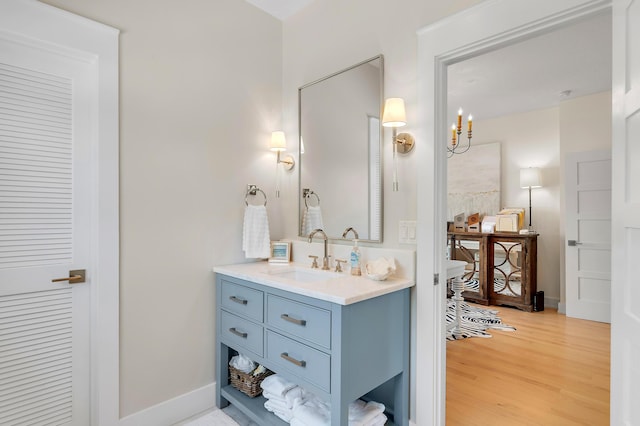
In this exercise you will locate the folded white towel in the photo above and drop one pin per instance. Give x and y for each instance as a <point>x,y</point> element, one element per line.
<point>313,412</point>
<point>362,413</point>
<point>276,405</point>
<point>256,241</point>
<point>242,363</point>
<point>284,414</point>
<point>291,398</point>
<point>379,420</point>
<point>311,219</point>
<point>276,385</point>
<point>316,412</point>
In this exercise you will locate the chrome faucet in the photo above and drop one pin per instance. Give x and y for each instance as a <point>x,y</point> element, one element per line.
<point>355,233</point>
<point>325,258</point>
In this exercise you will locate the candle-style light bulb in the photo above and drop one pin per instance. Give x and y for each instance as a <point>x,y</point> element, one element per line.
<point>453,135</point>
<point>470,122</point>
<point>459,119</point>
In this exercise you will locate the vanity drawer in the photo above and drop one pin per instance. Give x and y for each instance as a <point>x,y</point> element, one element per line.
<point>242,300</point>
<point>300,320</point>
<point>241,333</point>
<point>305,362</point>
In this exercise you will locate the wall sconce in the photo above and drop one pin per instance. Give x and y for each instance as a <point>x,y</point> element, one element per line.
<point>530,177</point>
<point>394,116</point>
<point>279,144</point>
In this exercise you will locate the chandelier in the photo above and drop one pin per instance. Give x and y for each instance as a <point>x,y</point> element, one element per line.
<point>455,147</point>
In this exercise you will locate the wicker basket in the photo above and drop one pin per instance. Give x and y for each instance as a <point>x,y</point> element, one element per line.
<point>247,383</point>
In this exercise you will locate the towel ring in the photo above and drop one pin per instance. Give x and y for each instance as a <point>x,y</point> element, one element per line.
<point>308,194</point>
<point>252,191</point>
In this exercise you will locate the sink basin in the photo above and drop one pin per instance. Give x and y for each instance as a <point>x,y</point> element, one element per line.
<point>302,275</point>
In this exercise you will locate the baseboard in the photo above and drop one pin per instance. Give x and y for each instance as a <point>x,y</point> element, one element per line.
<point>551,302</point>
<point>174,410</point>
<point>562,308</point>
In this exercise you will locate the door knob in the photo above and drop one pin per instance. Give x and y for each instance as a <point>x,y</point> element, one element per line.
<point>573,243</point>
<point>76,276</point>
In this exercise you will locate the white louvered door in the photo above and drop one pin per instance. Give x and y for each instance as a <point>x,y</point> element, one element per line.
<point>44,233</point>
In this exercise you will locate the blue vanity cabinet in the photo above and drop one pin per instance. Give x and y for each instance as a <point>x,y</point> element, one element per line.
<point>339,352</point>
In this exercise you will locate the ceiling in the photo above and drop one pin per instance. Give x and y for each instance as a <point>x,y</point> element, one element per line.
<point>534,74</point>
<point>281,9</point>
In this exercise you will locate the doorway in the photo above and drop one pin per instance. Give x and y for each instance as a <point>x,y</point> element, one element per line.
<point>488,27</point>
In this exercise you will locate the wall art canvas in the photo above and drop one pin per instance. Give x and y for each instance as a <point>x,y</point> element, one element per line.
<point>473,183</point>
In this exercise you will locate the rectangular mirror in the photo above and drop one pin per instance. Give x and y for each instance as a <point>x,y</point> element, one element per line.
<point>341,152</point>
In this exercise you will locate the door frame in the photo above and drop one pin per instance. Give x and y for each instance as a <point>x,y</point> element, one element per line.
<point>487,26</point>
<point>61,32</point>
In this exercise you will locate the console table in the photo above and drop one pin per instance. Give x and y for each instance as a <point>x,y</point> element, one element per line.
<point>504,266</point>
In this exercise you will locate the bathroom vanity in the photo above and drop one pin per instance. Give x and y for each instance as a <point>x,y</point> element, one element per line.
<point>339,336</point>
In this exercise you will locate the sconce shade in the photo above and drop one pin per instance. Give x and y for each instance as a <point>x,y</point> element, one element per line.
<point>394,114</point>
<point>278,142</point>
<point>530,178</point>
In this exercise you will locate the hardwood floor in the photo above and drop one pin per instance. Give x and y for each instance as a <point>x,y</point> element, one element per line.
<point>552,370</point>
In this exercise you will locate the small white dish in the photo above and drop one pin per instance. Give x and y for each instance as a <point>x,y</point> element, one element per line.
<point>380,269</point>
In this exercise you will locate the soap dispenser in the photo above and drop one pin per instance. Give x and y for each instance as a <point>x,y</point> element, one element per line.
<point>354,259</point>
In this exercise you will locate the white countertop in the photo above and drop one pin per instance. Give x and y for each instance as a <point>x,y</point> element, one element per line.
<point>341,288</point>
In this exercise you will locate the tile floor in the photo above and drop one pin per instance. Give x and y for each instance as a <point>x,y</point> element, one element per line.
<point>231,411</point>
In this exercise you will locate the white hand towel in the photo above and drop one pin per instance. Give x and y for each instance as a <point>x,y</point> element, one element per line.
<point>256,241</point>
<point>312,219</point>
<point>276,385</point>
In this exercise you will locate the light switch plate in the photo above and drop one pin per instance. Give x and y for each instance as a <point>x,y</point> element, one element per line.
<point>407,232</point>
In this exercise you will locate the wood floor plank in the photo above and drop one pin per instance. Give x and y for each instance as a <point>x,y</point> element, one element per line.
<point>552,370</point>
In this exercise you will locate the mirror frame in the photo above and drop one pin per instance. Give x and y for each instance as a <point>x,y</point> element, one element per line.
<point>381,145</point>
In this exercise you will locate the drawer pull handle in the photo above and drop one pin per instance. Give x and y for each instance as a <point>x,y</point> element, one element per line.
<point>293,320</point>
<point>238,300</point>
<point>293,360</point>
<point>238,333</point>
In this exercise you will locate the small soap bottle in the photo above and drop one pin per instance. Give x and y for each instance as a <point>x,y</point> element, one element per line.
<point>355,259</point>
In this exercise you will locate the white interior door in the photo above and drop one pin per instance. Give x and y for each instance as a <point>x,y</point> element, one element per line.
<point>625,303</point>
<point>45,215</point>
<point>588,238</point>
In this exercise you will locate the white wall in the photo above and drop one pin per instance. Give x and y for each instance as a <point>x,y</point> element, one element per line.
<point>531,140</point>
<point>200,94</point>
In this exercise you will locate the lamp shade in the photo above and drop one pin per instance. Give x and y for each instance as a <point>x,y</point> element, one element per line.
<point>530,178</point>
<point>278,142</point>
<point>394,114</point>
